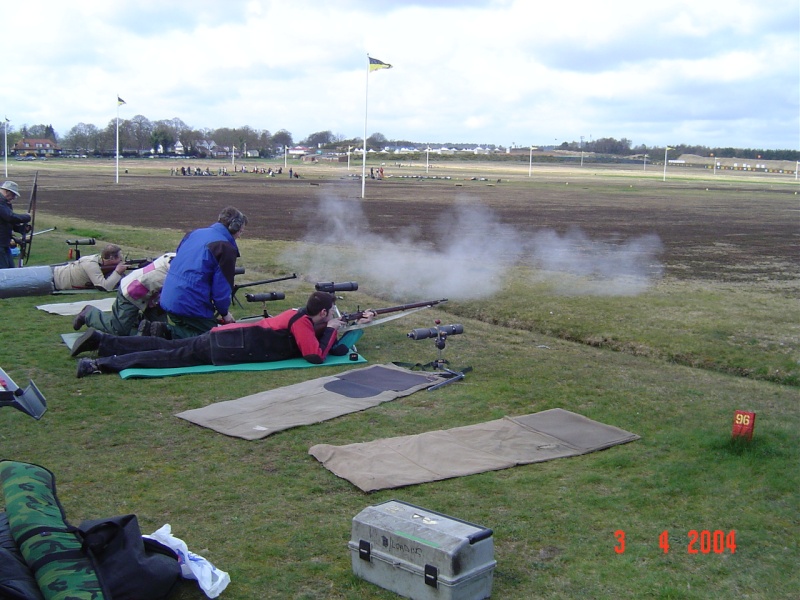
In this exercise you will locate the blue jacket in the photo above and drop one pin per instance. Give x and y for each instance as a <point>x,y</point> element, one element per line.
<point>200,278</point>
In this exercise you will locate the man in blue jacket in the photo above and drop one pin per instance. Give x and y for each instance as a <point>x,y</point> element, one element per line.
<point>199,284</point>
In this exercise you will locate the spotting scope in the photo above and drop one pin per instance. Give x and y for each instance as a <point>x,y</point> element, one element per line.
<point>348,286</point>
<point>435,332</point>
<point>265,297</point>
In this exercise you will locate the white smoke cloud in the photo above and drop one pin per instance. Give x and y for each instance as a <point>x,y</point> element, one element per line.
<point>577,265</point>
<point>470,257</point>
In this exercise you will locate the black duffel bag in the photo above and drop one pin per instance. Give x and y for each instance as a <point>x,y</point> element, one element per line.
<point>16,580</point>
<point>129,566</point>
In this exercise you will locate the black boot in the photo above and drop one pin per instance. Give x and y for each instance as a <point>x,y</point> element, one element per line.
<point>87,366</point>
<point>90,340</point>
<point>80,319</point>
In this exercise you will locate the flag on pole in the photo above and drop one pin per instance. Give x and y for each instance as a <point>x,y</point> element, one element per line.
<point>375,64</point>
<point>120,101</point>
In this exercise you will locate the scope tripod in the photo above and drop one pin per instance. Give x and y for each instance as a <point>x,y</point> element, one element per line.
<point>440,364</point>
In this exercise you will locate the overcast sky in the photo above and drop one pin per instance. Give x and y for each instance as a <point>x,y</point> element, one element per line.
<point>475,71</point>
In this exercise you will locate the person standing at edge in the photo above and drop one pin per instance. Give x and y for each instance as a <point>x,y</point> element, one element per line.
<point>10,222</point>
<point>200,279</point>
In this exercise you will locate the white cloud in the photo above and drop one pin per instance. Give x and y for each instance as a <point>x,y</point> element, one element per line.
<point>492,71</point>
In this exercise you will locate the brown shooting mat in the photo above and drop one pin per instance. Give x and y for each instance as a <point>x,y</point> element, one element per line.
<point>490,446</point>
<point>259,415</point>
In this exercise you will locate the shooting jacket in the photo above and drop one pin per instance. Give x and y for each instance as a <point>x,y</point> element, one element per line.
<point>290,334</point>
<point>84,273</point>
<point>10,222</point>
<point>200,278</point>
<point>142,287</point>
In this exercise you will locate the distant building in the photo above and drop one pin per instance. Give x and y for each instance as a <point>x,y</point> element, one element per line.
<point>36,147</point>
<point>298,151</point>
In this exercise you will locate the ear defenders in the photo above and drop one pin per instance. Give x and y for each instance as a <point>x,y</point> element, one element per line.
<point>236,223</point>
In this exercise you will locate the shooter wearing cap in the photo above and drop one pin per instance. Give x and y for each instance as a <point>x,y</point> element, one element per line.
<point>10,222</point>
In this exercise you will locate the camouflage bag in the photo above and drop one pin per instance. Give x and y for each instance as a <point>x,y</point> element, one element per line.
<point>47,542</point>
<point>106,559</point>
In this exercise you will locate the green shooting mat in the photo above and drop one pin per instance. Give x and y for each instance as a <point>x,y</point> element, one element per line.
<point>262,414</point>
<point>292,363</point>
<point>489,446</point>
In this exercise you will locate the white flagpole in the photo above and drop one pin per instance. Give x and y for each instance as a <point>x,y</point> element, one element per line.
<point>665,162</point>
<point>364,158</point>
<point>530,163</point>
<point>117,181</point>
<point>5,145</point>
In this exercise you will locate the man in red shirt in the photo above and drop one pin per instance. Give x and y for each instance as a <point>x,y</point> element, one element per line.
<point>308,332</point>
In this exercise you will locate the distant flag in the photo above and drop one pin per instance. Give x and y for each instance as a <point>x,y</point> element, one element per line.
<point>375,64</point>
<point>120,101</point>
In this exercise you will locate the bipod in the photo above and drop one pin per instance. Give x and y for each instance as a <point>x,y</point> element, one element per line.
<point>28,400</point>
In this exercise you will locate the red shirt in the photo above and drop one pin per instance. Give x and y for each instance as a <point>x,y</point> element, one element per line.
<point>313,346</point>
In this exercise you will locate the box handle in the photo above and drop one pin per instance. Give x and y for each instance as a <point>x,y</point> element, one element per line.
<point>479,535</point>
<point>364,550</point>
<point>431,576</point>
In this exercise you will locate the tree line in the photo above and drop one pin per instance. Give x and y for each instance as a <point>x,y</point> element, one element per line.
<point>624,147</point>
<point>140,136</point>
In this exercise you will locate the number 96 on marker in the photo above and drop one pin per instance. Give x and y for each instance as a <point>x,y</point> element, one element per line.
<point>699,542</point>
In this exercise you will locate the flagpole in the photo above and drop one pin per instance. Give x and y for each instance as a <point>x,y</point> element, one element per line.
<point>364,157</point>
<point>665,162</point>
<point>5,145</point>
<point>117,179</point>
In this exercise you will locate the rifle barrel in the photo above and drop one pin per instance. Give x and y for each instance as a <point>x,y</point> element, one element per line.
<point>264,281</point>
<point>380,311</point>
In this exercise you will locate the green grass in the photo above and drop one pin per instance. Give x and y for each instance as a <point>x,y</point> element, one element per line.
<point>269,514</point>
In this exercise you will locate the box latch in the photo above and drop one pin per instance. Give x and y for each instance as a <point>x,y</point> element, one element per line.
<point>431,576</point>
<point>364,550</point>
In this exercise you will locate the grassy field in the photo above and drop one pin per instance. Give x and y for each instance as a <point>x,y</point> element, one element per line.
<point>670,364</point>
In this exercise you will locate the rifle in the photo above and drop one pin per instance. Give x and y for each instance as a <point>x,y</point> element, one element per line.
<point>352,318</point>
<point>131,264</point>
<point>239,286</point>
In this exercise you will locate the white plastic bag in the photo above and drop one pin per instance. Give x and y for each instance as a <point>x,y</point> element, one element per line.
<point>193,566</point>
